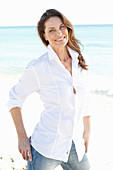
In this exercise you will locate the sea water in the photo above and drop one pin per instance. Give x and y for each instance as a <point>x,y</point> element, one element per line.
<point>20,45</point>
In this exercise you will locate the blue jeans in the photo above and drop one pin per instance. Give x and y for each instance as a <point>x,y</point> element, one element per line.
<point>40,162</point>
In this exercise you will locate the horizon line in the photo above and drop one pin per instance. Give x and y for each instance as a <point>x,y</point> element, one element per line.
<point>36,25</point>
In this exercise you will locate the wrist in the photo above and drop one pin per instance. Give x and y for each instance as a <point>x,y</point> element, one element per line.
<point>86,132</point>
<point>21,134</point>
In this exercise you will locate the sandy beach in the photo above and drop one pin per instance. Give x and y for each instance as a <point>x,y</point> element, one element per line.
<point>100,148</point>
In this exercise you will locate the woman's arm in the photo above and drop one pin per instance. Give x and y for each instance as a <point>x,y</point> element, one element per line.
<point>23,140</point>
<point>86,133</point>
<point>27,84</point>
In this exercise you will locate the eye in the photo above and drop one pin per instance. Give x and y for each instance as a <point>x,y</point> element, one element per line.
<point>62,26</point>
<point>51,30</point>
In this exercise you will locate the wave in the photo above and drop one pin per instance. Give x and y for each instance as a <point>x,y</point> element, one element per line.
<point>101,85</point>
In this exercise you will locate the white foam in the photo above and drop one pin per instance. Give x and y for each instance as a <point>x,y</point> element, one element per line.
<point>101,84</point>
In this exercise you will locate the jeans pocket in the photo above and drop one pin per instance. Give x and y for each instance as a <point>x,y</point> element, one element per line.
<point>34,153</point>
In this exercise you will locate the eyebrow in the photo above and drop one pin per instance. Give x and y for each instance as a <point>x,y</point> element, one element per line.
<point>54,27</point>
<point>51,27</point>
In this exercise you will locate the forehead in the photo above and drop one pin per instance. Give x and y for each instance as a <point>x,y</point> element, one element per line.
<point>53,22</point>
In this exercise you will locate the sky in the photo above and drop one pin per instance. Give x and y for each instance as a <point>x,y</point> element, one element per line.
<point>80,12</point>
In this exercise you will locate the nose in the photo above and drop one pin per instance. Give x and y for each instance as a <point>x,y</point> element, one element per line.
<point>59,32</point>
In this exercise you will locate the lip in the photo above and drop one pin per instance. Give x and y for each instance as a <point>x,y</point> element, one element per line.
<point>60,39</point>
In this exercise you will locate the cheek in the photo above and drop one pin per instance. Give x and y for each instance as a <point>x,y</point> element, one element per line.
<point>50,37</point>
<point>65,32</point>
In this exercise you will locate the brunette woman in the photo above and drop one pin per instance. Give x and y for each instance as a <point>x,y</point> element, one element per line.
<point>61,137</point>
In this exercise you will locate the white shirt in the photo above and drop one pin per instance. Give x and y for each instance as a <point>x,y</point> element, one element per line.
<point>61,120</point>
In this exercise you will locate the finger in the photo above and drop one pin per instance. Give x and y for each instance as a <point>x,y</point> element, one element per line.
<point>26,155</point>
<point>23,154</point>
<point>30,154</point>
<point>86,147</point>
<point>20,150</point>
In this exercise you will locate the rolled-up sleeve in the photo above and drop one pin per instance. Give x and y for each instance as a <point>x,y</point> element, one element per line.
<point>87,110</point>
<point>27,84</point>
<point>86,84</point>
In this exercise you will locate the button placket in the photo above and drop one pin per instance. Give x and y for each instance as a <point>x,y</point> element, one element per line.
<point>67,152</point>
<point>64,69</point>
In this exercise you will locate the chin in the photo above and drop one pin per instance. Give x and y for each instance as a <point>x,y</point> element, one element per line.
<point>61,44</point>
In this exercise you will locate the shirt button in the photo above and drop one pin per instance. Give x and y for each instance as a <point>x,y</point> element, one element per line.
<point>67,152</point>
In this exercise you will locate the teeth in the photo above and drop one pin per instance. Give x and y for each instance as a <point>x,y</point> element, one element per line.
<point>60,39</point>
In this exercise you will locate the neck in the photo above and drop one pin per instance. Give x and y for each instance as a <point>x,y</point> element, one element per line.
<point>62,53</point>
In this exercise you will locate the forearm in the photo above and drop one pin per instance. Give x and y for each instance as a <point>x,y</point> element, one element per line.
<point>17,119</point>
<point>23,140</point>
<point>87,124</point>
<point>86,133</point>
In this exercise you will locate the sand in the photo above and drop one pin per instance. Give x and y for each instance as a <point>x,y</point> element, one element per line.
<point>100,148</point>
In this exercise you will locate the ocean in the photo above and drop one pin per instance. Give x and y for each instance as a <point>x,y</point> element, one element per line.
<point>20,45</point>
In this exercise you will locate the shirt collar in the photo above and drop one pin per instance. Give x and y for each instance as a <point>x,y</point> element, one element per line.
<point>53,56</point>
<point>51,53</point>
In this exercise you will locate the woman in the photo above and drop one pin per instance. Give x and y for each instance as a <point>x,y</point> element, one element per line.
<point>61,137</point>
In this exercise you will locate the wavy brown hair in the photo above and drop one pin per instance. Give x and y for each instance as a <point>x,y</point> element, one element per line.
<point>73,43</point>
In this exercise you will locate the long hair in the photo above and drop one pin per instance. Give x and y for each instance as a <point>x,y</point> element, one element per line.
<point>73,43</point>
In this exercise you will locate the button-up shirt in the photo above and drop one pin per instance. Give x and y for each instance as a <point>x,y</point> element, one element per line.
<point>61,121</point>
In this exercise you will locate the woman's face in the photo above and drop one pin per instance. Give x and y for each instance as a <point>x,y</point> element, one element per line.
<point>56,32</point>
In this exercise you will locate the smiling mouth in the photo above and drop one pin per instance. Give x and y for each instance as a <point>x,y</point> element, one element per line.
<point>60,39</point>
